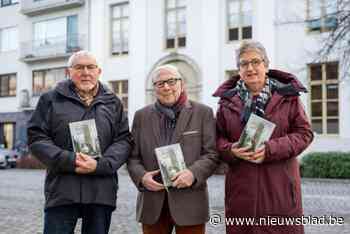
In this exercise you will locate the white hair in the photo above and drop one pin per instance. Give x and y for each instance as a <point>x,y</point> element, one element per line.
<point>81,53</point>
<point>168,67</point>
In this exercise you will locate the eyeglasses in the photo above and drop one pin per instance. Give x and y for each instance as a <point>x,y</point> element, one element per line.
<point>80,67</point>
<point>254,62</point>
<point>170,82</point>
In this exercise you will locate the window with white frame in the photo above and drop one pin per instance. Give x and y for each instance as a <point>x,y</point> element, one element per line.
<point>324,86</point>
<point>58,32</point>
<point>239,19</point>
<point>175,17</point>
<point>120,28</point>
<point>8,85</point>
<point>120,88</point>
<point>44,80</point>
<point>321,15</point>
<point>8,39</point>
<point>8,2</point>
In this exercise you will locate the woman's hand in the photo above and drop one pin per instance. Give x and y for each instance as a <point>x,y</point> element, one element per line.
<point>259,155</point>
<point>246,154</point>
<point>242,153</point>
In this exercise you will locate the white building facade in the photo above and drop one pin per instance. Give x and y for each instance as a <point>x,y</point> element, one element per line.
<point>131,38</point>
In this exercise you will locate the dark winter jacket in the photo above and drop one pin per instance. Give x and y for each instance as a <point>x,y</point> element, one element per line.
<point>50,141</point>
<point>271,188</point>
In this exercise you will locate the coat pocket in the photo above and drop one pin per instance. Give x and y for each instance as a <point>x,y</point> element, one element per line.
<point>292,185</point>
<point>279,196</point>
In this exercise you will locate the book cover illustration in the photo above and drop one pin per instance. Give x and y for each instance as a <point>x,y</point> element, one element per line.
<point>171,161</point>
<point>257,131</point>
<point>84,138</point>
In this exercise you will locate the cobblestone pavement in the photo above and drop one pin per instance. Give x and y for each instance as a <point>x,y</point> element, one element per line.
<point>21,202</point>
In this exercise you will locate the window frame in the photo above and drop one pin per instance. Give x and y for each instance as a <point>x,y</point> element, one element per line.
<point>9,76</point>
<point>37,94</point>
<point>45,41</point>
<point>324,99</point>
<point>179,38</point>
<point>8,4</point>
<point>120,85</point>
<point>1,38</point>
<point>240,26</point>
<point>322,18</point>
<point>120,19</point>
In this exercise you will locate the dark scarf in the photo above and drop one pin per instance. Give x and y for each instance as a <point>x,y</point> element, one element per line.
<point>169,116</point>
<point>255,104</point>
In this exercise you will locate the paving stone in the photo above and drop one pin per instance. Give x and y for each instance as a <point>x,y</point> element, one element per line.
<point>21,203</point>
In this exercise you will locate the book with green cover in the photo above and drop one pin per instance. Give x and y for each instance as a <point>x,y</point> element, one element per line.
<point>171,161</point>
<point>84,138</point>
<point>257,131</point>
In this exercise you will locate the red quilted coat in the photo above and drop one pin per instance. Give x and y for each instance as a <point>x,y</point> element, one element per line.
<point>269,190</point>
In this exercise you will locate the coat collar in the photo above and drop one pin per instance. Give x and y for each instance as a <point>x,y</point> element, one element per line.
<point>184,117</point>
<point>66,89</point>
<point>288,85</point>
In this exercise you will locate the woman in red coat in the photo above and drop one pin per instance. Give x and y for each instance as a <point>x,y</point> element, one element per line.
<point>262,185</point>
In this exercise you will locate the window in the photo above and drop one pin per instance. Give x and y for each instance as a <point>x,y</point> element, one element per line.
<point>59,33</point>
<point>8,85</point>
<point>120,88</point>
<point>239,19</point>
<point>120,29</point>
<point>321,15</point>
<point>44,80</point>
<point>8,39</point>
<point>7,135</point>
<point>175,23</point>
<point>8,2</point>
<point>324,97</point>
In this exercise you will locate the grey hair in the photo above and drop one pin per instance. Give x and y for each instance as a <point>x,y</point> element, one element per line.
<point>81,53</point>
<point>252,46</point>
<point>171,68</point>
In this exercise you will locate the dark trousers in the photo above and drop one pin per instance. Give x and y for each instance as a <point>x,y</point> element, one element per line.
<point>96,219</point>
<point>166,224</point>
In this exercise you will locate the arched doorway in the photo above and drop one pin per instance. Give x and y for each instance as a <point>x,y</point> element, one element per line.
<point>189,70</point>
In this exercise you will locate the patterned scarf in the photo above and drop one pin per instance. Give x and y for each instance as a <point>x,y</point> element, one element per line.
<point>255,104</point>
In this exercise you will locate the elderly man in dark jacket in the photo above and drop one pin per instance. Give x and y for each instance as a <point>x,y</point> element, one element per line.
<point>78,185</point>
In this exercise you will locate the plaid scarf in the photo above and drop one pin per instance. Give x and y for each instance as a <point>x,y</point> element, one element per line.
<point>256,104</point>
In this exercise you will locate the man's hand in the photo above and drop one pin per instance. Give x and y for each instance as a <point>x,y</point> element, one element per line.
<point>183,179</point>
<point>150,183</point>
<point>84,164</point>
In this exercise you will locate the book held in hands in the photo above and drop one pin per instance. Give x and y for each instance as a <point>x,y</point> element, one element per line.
<point>171,161</point>
<point>84,138</point>
<point>257,131</point>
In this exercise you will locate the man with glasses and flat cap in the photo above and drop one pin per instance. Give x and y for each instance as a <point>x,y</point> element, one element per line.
<point>78,185</point>
<point>173,119</point>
